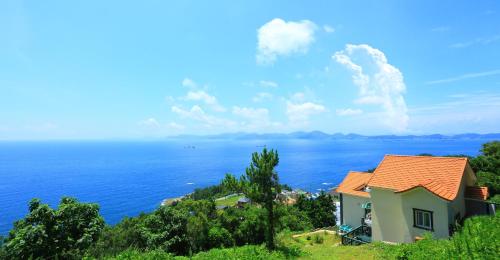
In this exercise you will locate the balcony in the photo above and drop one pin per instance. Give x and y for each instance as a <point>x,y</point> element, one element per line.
<point>358,236</point>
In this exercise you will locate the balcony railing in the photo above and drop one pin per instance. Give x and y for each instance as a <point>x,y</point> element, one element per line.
<point>358,236</point>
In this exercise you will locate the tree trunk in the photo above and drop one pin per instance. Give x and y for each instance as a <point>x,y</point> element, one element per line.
<point>270,230</point>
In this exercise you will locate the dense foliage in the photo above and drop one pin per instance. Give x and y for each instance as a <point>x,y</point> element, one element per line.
<point>487,167</point>
<point>194,226</point>
<point>478,239</point>
<point>248,252</point>
<point>48,233</point>
<point>320,210</point>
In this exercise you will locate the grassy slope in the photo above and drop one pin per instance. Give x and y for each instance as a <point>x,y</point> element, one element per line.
<point>329,248</point>
<point>311,249</point>
<point>231,201</point>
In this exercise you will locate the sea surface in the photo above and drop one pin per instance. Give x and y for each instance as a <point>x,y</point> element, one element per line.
<point>130,177</point>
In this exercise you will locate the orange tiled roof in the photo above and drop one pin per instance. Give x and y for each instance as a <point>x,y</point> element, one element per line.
<point>478,193</point>
<point>353,183</point>
<point>439,175</point>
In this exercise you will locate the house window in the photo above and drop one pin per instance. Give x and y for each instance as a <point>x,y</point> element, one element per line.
<point>422,219</point>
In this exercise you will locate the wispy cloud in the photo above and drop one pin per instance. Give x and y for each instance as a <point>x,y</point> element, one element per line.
<point>175,126</point>
<point>150,122</point>
<point>262,96</point>
<point>440,29</point>
<point>480,41</point>
<point>464,76</point>
<point>198,114</point>
<point>328,29</point>
<point>268,84</point>
<point>206,98</point>
<point>189,83</point>
<point>348,112</point>
<point>471,112</point>
<point>299,113</point>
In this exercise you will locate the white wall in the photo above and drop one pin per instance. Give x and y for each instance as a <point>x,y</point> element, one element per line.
<point>392,214</point>
<point>337,213</point>
<point>352,210</point>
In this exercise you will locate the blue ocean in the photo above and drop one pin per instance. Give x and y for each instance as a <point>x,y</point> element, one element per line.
<point>127,178</point>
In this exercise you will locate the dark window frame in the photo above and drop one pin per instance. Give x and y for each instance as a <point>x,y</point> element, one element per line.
<point>415,219</point>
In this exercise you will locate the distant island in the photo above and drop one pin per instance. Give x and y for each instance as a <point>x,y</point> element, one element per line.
<point>318,135</point>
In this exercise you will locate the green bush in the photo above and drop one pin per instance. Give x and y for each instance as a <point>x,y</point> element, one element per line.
<point>138,255</point>
<point>320,210</point>
<point>118,238</point>
<point>318,239</point>
<point>239,253</point>
<point>64,233</point>
<point>293,219</point>
<point>219,237</point>
<point>478,239</point>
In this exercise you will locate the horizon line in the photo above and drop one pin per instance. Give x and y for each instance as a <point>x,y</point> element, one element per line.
<point>167,137</point>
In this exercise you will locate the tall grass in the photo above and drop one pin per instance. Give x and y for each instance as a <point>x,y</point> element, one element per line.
<point>479,238</point>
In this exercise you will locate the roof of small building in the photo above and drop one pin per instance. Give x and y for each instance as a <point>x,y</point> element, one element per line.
<point>244,200</point>
<point>477,193</point>
<point>439,175</point>
<point>354,183</point>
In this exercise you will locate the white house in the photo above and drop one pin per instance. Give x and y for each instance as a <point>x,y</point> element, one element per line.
<point>409,195</point>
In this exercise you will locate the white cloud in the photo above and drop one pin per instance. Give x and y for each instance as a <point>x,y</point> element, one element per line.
<point>379,82</point>
<point>328,28</point>
<point>281,38</point>
<point>189,83</point>
<point>255,119</point>
<point>198,114</point>
<point>348,112</point>
<point>306,95</point>
<point>299,113</point>
<point>150,122</point>
<point>262,96</point>
<point>464,76</point>
<point>200,95</point>
<point>268,84</point>
<point>298,97</point>
<point>175,126</point>
<point>253,114</point>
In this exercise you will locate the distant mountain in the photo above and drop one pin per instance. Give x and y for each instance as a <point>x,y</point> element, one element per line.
<point>318,135</point>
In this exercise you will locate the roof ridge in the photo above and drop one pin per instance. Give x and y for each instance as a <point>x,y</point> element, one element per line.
<point>359,172</point>
<point>425,156</point>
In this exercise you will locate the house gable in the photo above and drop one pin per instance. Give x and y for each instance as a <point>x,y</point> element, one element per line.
<point>441,176</point>
<point>393,214</point>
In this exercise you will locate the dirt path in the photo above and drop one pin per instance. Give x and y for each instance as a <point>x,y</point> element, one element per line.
<point>331,232</point>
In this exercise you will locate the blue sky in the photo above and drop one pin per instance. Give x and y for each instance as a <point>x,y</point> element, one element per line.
<point>120,69</point>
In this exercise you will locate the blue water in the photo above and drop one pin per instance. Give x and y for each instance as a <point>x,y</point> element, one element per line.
<point>126,178</point>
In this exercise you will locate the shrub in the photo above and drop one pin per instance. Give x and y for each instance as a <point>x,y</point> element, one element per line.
<point>239,253</point>
<point>318,239</point>
<point>478,239</point>
<point>219,237</point>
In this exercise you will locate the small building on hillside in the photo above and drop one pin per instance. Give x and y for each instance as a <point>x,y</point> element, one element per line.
<point>242,202</point>
<point>409,195</point>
